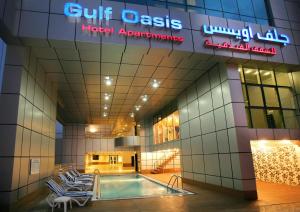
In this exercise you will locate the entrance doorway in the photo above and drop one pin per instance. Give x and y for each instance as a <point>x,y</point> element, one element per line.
<point>113,159</point>
<point>276,165</point>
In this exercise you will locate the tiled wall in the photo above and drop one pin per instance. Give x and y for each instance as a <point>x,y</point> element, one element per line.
<point>213,131</point>
<point>27,124</point>
<point>75,144</point>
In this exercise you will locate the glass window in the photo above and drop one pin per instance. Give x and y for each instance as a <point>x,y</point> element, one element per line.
<point>271,97</point>
<point>157,4</point>
<point>255,96</point>
<point>290,119</point>
<point>267,77</point>
<point>260,9</point>
<point>248,117</point>
<point>251,76</point>
<point>286,98</point>
<point>245,95</point>
<point>274,119</point>
<point>196,10</point>
<point>283,79</point>
<point>248,19</point>
<point>245,7</point>
<point>230,6</point>
<point>214,13</point>
<point>262,21</point>
<point>177,1</point>
<point>213,4</point>
<point>232,16</point>
<point>258,118</point>
<point>166,129</point>
<point>198,3</point>
<point>176,6</point>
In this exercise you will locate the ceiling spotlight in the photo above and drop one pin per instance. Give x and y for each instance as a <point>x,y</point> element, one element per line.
<point>137,107</point>
<point>105,107</point>
<point>106,96</point>
<point>104,114</point>
<point>108,81</point>
<point>144,98</point>
<point>155,84</point>
<point>131,115</point>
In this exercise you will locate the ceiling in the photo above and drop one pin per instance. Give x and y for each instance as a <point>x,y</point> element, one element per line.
<point>79,74</point>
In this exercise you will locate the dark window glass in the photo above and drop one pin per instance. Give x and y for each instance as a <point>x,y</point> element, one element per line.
<point>232,16</point>
<point>245,7</point>
<point>176,6</point>
<point>259,118</point>
<point>196,10</point>
<point>157,4</point>
<point>230,6</point>
<point>213,4</point>
<point>248,19</point>
<point>177,1</point>
<point>198,3</point>
<point>136,1</point>
<point>214,13</point>
<point>274,119</point>
<point>260,9</point>
<point>262,21</point>
<point>271,97</point>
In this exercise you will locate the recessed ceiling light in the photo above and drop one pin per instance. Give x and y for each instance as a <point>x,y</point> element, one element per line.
<point>105,107</point>
<point>108,81</point>
<point>137,107</point>
<point>131,115</point>
<point>155,84</point>
<point>106,96</point>
<point>144,98</point>
<point>104,114</point>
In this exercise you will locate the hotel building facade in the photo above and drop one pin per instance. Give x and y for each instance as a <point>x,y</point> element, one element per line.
<point>210,88</point>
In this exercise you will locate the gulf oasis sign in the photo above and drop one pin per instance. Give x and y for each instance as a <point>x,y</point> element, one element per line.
<point>96,15</point>
<point>245,35</point>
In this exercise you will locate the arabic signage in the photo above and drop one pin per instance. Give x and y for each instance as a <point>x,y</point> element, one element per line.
<point>245,35</point>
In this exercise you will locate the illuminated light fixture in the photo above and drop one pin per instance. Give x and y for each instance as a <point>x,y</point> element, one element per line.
<point>108,81</point>
<point>104,114</point>
<point>248,71</point>
<point>106,96</point>
<point>131,115</point>
<point>105,107</point>
<point>144,98</point>
<point>267,73</point>
<point>93,129</point>
<point>137,107</point>
<point>155,84</point>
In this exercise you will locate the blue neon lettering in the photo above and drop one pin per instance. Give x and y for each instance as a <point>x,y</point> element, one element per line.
<point>73,10</point>
<point>129,20</point>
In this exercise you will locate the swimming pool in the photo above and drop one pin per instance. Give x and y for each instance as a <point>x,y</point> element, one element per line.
<point>133,186</point>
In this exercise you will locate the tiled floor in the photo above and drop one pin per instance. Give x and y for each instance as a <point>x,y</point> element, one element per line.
<point>277,198</point>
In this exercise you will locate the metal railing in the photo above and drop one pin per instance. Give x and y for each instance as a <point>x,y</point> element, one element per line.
<point>175,177</point>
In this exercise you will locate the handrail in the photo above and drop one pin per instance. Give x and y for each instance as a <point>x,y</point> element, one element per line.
<point>174,175</point>
<point>175,180</point>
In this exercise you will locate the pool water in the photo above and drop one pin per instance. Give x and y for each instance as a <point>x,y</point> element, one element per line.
<point>131,186</point>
